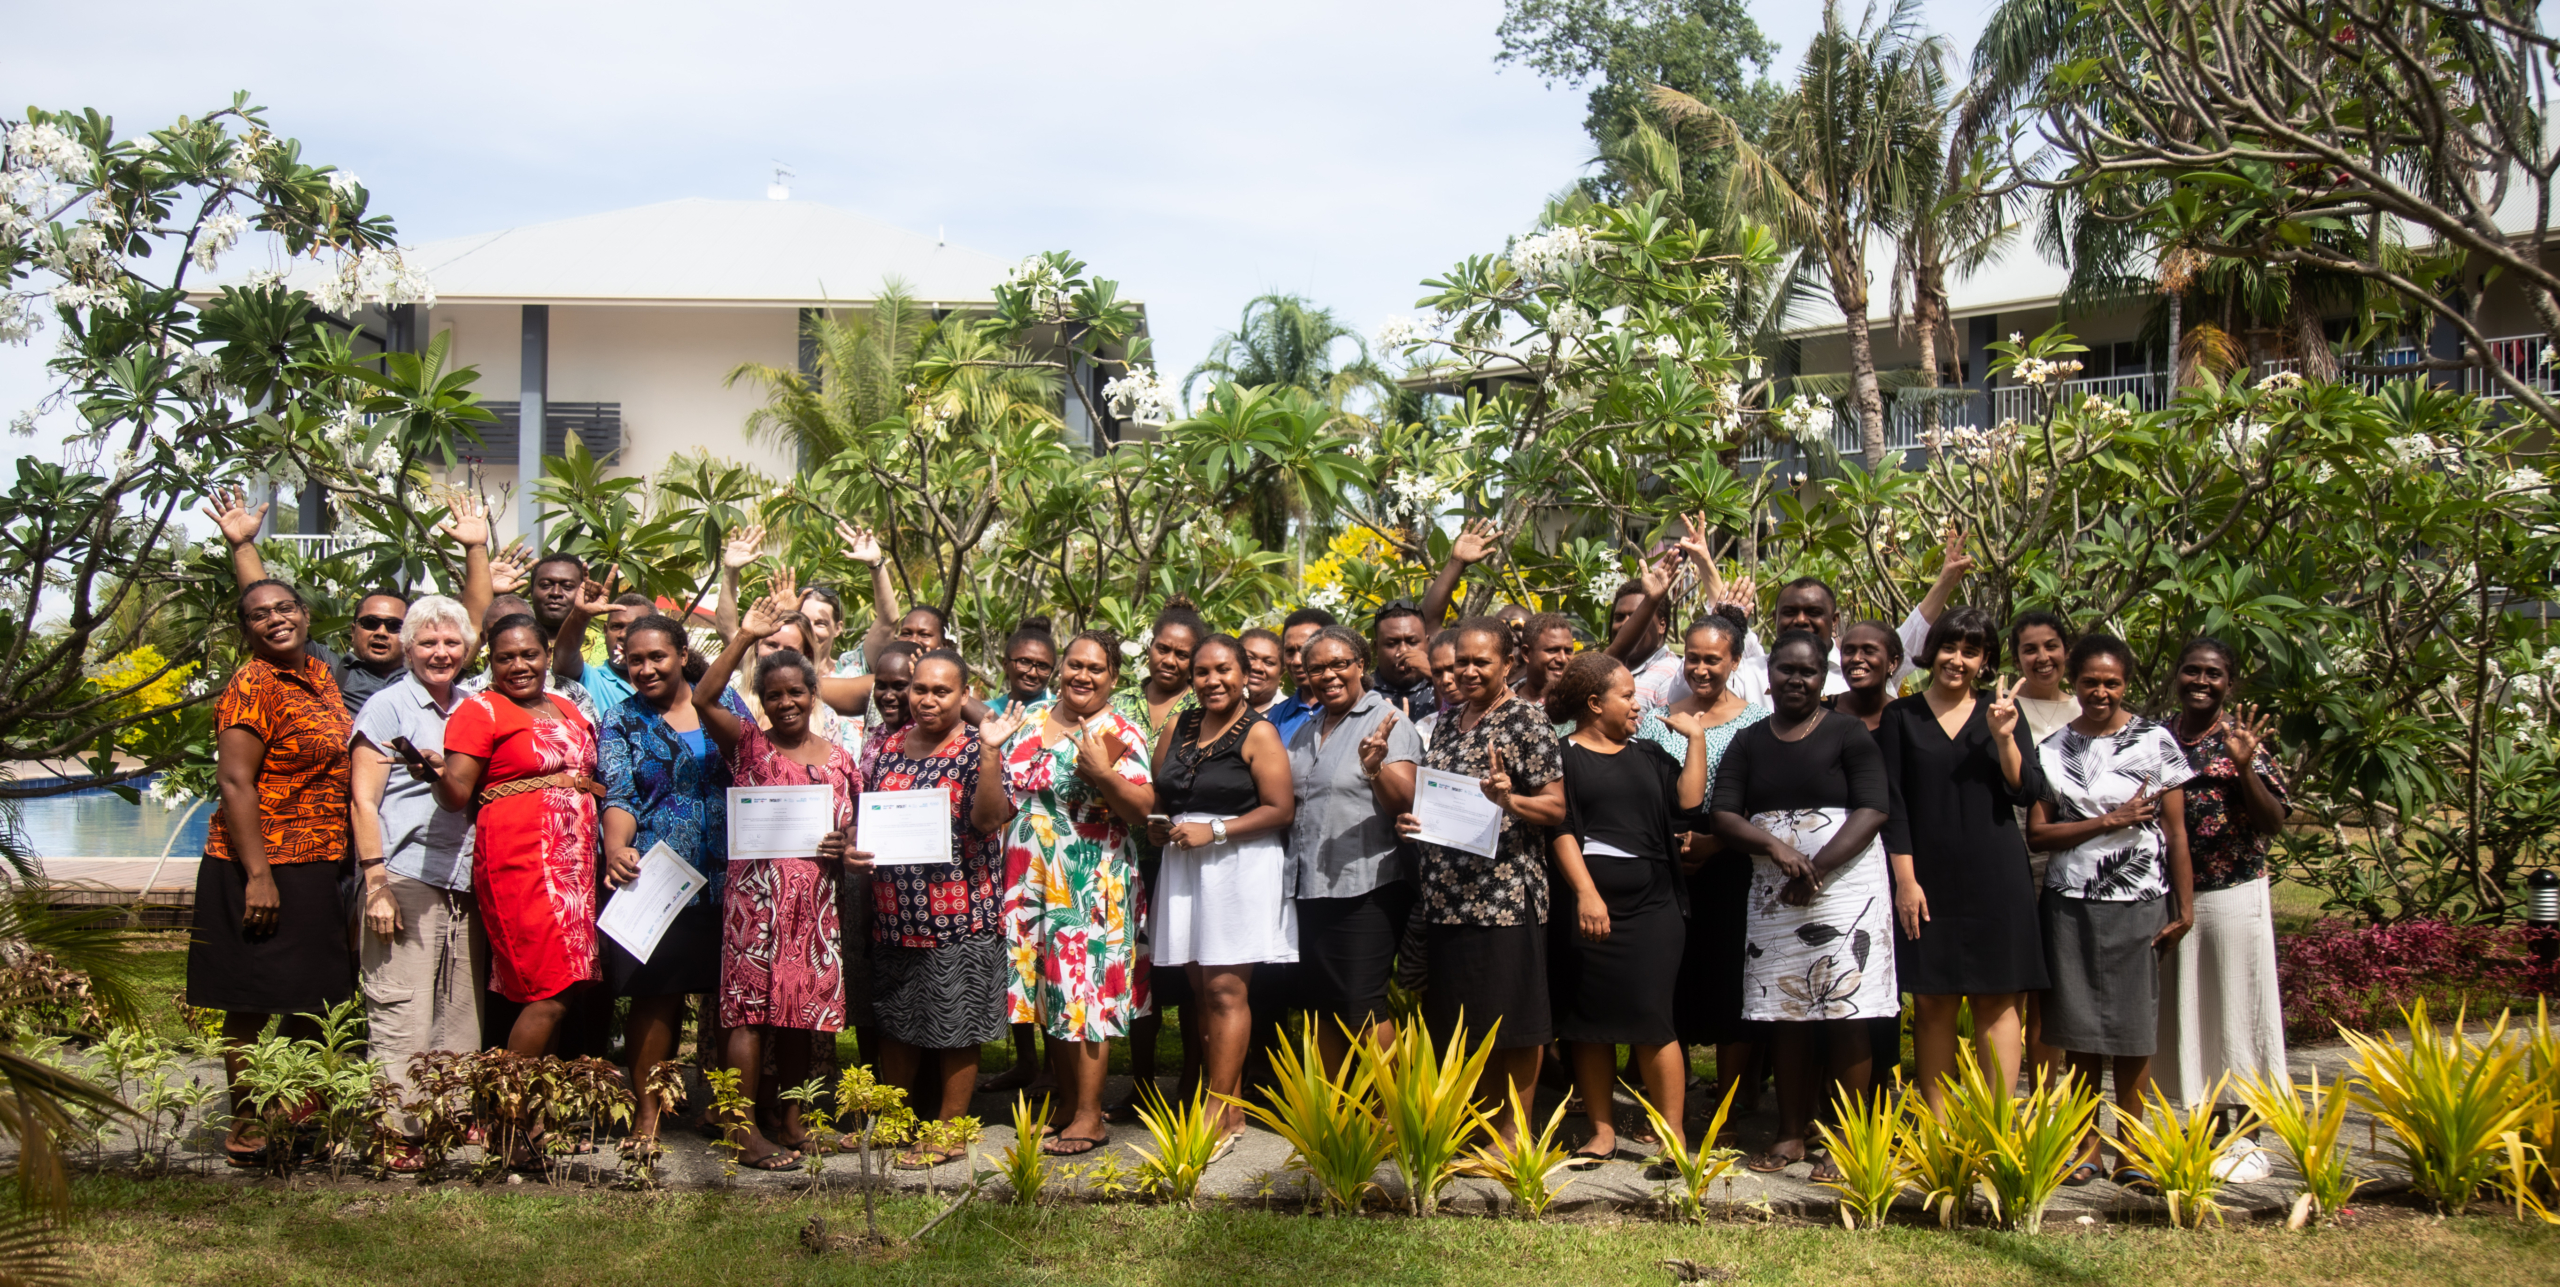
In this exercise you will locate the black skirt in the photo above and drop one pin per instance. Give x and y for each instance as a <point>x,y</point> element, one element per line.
<point>1706,1005</point>
<point>1478,974</point>
<point>1618,990</point>
<point>686,962</point>
<point>303,966</point>
<point>1982,937</point>
<point>1347,952</point>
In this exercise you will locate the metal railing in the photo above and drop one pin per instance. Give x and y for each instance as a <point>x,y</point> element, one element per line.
<point>317,545</point>
<point>2025,402</point>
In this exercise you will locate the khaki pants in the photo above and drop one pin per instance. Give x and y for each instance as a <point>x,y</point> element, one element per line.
<point>422,986</point>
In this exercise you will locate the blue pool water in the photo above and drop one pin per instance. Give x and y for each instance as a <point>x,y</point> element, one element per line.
<point>99,824</point>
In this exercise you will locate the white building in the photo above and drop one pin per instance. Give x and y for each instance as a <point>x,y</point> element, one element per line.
<point>624,326</point>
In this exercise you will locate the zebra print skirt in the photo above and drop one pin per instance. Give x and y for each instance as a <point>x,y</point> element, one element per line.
<point>941,998</point>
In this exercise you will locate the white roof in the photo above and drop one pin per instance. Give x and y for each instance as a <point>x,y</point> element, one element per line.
<point>699,251</point>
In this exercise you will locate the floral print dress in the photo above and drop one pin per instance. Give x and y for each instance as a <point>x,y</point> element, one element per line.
<point>1510,887</point>
<point>1072,902</point>
<point>781,943</point>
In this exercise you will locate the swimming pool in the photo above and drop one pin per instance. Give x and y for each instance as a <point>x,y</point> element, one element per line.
<point>99,824</point>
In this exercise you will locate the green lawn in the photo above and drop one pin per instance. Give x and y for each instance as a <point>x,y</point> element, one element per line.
<point>182,1231</point>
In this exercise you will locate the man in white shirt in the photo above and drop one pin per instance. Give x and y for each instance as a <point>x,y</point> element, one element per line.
<point>1809,604</point>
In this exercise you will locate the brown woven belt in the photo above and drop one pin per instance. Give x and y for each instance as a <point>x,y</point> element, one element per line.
<point>547,782</point>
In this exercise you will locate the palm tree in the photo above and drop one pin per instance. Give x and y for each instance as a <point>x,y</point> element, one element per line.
<point>1960,223</point>
<point>1844,160</point>
<point>1285,340</point>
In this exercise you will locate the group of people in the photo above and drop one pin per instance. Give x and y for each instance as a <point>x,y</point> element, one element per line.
<point>1682,840</point>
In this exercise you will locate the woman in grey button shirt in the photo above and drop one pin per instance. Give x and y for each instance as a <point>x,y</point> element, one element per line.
<point>1353,764</point>
<point>423,959</point>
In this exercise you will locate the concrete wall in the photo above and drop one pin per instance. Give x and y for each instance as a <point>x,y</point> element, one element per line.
<point>665,365</point>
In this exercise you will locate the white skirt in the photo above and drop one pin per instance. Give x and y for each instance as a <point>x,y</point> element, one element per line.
<point>1830,959</point>
<point>1224,904</point>
<point>2220,1008</point>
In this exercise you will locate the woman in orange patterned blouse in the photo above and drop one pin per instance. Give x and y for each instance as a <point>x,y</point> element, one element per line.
<point>270,934</point>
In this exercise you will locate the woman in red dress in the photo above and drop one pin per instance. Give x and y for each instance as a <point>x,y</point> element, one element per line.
<point>529,760</point>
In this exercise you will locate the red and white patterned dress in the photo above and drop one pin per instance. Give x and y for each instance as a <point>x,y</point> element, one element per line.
<point>533,866</point>
<point>781,948</point>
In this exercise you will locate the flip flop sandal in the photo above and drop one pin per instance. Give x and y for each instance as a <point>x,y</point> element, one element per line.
<point>923,1161</point>
<point>1225,1146</point>
<point>246,1159</point>
<point>1581,1161</point>
<point>1825,1171</point>
<point>1070,1145</point>
<point>781,1159</point>
<point>2136,1179</point>
<point>1769,1163</point>
<point>2081,1175</point>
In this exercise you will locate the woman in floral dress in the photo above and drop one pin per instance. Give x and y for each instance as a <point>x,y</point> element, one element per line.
<point>1072,781</point>
<point>781,956</point>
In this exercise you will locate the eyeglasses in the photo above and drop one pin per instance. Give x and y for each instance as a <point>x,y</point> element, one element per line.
<point>1342,667</point>
<point>1034,667</point>
<point>270,612</point>
<point>378,623</point>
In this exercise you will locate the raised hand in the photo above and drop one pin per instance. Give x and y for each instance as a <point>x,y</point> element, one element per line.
<point>467,524</point>
<point>1373,748</point>
<point>593,598</point>
<point>786,587</point>
<point>999,728</point>
<point>2244,730</point>
<point>508,569</point>
<point>1694,546</point>
<point>765,618</point>
<point>231,515</point>
<point>1957,562</point>
<point>744,546</point>
<point>1496,781</point>
<point>2003,713</point>
<point>1657,576</point>
<point>1476,542</point>
<point>860,544</point>
<point>1742,592</point>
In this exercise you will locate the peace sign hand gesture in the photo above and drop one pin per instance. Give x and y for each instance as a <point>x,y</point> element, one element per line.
<point>1694,545</point>
<point>1496,782</point>
<point>2003,714</point>
<point>1956,562</point>
<point>1373,748</point>
<point>2244,729</point>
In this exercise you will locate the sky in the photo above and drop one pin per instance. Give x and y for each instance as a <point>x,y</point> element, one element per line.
<point>1200,152</point>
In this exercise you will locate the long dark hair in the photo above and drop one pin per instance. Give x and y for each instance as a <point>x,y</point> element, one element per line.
<point>660,623</point>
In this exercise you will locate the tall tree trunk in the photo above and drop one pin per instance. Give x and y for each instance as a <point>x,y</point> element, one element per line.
<point>1929,314</point>
<point>1849,290</point>
<point>2177,360</point>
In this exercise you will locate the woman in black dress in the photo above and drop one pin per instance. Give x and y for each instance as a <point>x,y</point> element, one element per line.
<point>1618,950</point>
<point>1803,792</point>
<point>1222,902</point>
<point>1964,908</point>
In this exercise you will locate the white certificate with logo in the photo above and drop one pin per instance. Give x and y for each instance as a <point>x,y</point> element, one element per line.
<point>903,827</point>
<point>779,821</point>
<point>1453,811</point>
<point>638,914</point>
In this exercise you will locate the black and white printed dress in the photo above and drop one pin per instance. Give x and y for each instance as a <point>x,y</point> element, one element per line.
<point>1832,958</point>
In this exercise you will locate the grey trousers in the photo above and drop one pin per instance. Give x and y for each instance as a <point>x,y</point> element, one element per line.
<point>422,986</point>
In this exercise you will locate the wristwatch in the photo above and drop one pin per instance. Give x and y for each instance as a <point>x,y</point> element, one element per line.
<point>1217,831</point>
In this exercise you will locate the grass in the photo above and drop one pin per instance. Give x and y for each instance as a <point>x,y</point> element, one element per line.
<point>183,1232</point>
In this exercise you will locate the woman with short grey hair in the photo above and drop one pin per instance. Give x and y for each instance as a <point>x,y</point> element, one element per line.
<point>422,955</point>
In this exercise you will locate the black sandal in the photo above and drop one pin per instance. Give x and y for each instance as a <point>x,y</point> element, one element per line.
<point>1076,1145</point>
<point>2081,1175</point>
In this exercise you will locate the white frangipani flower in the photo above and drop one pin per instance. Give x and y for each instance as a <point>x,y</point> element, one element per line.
<point>1139,397</point>
<point>1806,420</point>
<point>218,234</point>
<point>1550,256</point>
<point>1400,332</point>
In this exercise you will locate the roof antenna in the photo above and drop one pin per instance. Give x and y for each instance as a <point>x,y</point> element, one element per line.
<point>780,188</point>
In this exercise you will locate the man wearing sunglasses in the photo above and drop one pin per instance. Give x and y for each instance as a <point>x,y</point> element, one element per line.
<point>373,660</point>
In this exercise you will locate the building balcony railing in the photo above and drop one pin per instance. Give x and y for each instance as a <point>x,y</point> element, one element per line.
<point>597,424</point>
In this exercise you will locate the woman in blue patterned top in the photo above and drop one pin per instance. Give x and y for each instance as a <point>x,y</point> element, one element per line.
<point>665,781</point>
